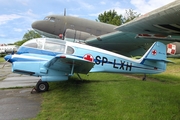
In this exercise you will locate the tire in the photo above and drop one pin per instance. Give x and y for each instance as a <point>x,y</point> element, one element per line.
<point>42,86</point>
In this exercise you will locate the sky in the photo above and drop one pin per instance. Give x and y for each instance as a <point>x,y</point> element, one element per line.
<point>16,16</point>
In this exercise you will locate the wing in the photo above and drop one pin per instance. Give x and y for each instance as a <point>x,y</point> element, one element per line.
<point>164,21</point>
<point>135,37</point>
<point>70,63</point>
<point>121,42</point>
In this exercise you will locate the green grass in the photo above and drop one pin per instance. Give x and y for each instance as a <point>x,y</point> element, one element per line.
<point>2,59</point>
<point>114,96</point>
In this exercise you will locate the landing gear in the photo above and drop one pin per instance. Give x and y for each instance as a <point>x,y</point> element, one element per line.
<point>79,76</point>
<point>144,78</point>
<point>41,86</point>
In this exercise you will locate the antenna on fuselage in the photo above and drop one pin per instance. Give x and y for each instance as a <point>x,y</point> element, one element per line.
<point>64,11</point>
<point>61,36</point>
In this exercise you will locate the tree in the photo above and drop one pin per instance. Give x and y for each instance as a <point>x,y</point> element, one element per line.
<point>28,36</point>
<point>130,15</point>
<point>20,42</point>
<point>110,17</point>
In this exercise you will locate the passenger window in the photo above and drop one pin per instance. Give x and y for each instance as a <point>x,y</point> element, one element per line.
<point>54,47</point>
<point>70,50</point>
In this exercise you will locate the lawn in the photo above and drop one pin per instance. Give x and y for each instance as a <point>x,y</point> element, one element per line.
<point>2,59</point>
<point>114,96</point>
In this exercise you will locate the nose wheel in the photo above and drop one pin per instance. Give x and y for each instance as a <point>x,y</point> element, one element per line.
<point>41,86</point>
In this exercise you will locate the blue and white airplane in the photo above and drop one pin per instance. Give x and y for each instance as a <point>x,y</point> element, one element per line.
<point>57,60</point>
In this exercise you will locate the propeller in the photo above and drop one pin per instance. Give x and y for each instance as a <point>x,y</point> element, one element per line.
<point>7,58</point>
<point>5,63</point>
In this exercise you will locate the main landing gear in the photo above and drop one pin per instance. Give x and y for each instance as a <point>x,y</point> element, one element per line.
<point>41,86</point>
<point>144,78</point>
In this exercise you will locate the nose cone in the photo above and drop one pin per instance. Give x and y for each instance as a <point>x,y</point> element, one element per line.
<point>43,26</point>
<point>35,25</point>
<point>8,58</point>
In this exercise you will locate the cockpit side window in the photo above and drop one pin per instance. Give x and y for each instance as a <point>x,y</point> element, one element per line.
<point>31,44</point>
<point>54,47</point>
<point>70,50</point>
<point>52,19</point>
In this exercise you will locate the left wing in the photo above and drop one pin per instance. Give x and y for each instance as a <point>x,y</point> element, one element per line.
<point>121,42</point>
<point>136,36</point>
<point>163,21</point>
<point>69,62</point>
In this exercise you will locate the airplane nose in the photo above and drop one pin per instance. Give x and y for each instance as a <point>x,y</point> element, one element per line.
<point>8,58</point>
<point>34,25</point>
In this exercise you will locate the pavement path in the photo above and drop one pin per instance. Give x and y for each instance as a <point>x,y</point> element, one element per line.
<point>17,103</point>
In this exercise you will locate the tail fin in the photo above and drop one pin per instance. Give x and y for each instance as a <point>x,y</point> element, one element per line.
<point>156,56</point>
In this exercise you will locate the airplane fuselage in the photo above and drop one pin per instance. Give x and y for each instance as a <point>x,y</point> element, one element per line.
<point>57,60</point>
<point>54,25</point>
<point>105,61</point>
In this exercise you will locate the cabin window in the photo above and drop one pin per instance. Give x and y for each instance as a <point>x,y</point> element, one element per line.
<point>54,47</point>
<point>70,50</point>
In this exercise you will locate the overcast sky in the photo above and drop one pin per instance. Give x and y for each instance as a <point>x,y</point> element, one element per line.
<point>16,16</point>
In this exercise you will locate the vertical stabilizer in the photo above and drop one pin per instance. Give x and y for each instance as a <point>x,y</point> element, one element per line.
<point>156,56</point>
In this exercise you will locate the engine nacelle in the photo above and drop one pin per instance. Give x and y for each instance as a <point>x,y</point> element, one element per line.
<point>77,35</point>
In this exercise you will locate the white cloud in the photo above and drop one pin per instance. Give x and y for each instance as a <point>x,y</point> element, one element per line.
<point>23,2</point>
<point>103,3</point>
<point>28,14</point>
<point>116,4</point>
<point>74,15</point>
<point>144,6</point>
<point>18,29</point>
<point>6,18</point>
<point>85,4</point>
<point>2,35</point>
<point>9,40</point>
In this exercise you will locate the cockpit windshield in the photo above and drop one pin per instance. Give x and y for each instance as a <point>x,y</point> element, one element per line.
<point>33,43</point>
<point>49,44</point>
<point>51,19</point>
<point>46,18</point>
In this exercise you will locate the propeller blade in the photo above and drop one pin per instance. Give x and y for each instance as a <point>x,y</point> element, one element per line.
<point>5,63</point>
<point>7,58</point>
